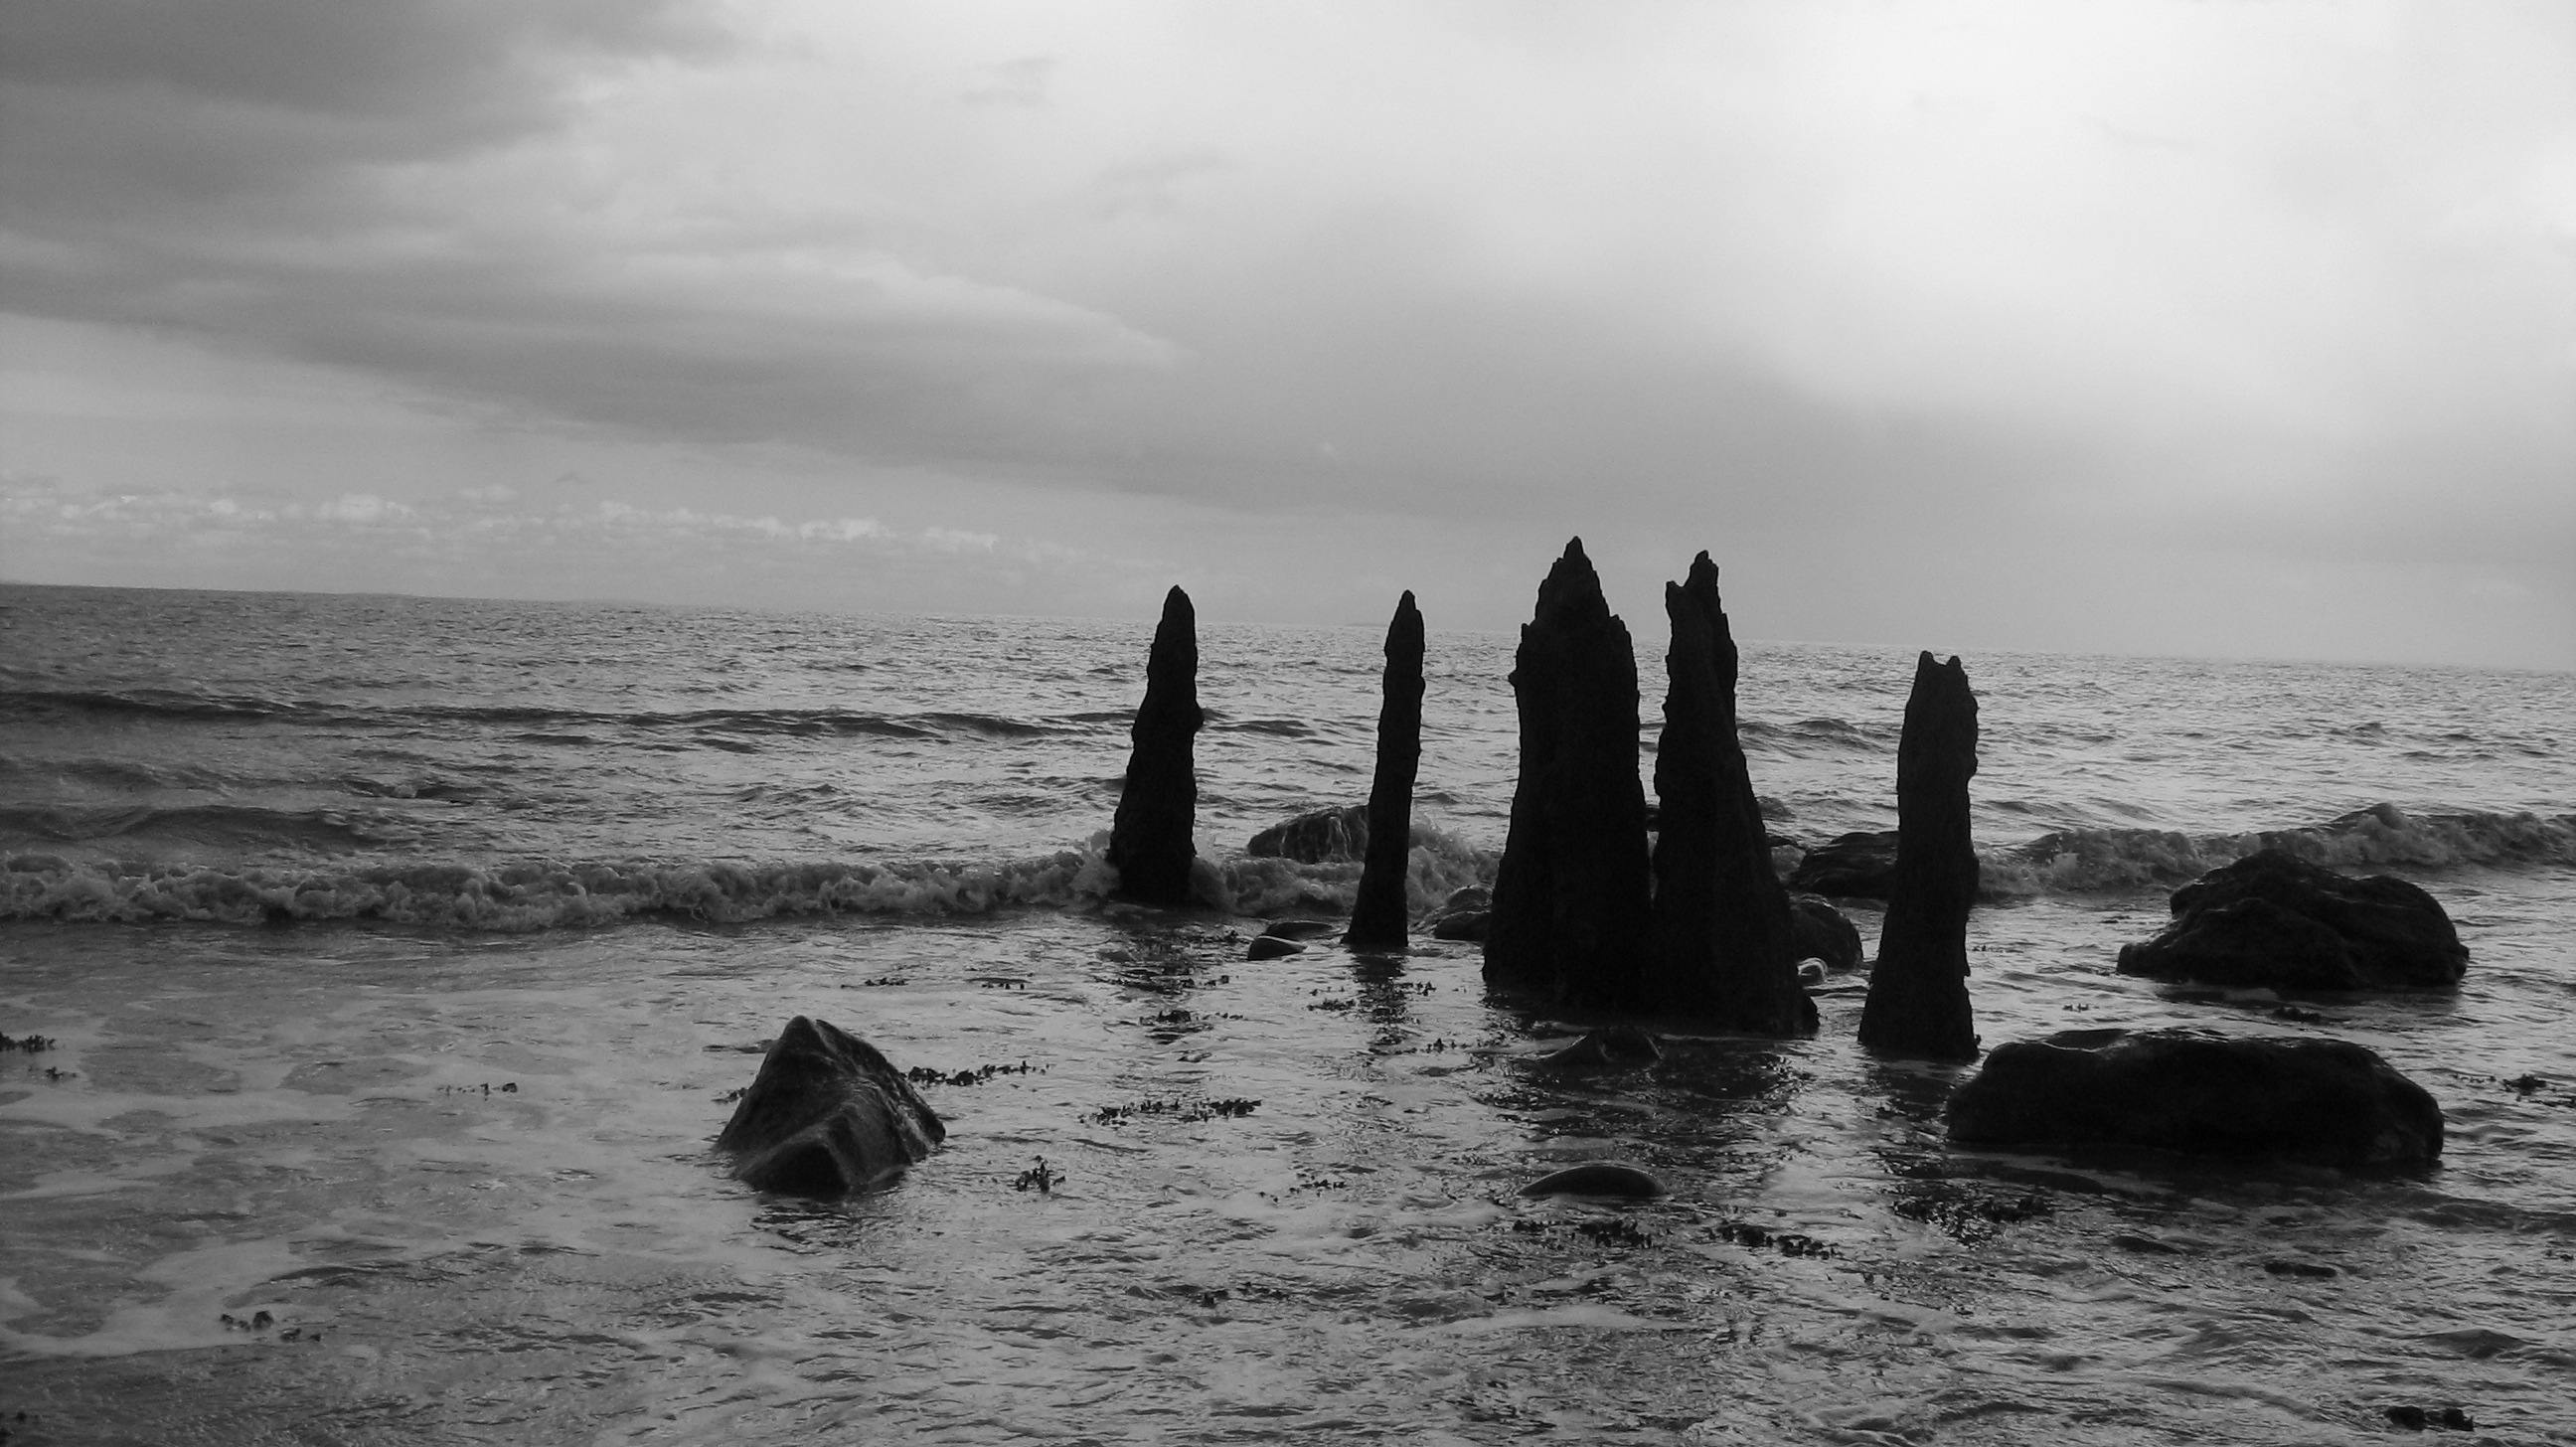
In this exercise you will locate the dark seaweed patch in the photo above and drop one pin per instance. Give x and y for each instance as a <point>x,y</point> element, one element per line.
<point>922,1075</point>
<point>1181,1110</point>
<point>1759,1238</point>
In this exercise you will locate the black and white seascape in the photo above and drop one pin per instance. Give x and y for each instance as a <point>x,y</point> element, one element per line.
<point>770,721</point>
<point>400,958</point>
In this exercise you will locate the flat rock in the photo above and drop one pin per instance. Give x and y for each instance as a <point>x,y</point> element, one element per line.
<point>2279,1098</point>
<point>2274,920</point>
<point>827,1116</point>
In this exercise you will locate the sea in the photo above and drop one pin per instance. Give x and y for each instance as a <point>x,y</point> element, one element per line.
<point>377,972</point>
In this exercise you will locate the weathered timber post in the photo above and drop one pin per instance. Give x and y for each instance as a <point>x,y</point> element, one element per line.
<point>1150,844</point>
<point>1918,991</point>
<point>1571,895</point>
<point>1723,933</point>
<point>1380,914</point>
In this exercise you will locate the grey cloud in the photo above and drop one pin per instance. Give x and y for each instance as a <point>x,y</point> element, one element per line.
<point>454,65</point>
<point>251,172</point>
<point>1021,82</point>
<point>138,114</point>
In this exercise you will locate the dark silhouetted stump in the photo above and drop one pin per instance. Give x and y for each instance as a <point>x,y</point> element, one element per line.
<point>2320,1102</point>
<point>1378,915</point>
<point>1724,945</point>
<point>1150,844</point>
<point>1918,991</point>
<point>827,1116</point>
<point>2274,920</point>
<point>1571,896</point>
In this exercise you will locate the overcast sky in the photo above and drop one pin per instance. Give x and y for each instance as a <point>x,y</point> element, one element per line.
<point>2217,328</point>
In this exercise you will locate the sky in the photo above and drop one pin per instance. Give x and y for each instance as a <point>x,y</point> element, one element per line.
<point>2209,327</point>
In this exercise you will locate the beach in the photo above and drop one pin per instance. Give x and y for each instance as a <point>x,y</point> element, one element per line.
<point>397,959</point>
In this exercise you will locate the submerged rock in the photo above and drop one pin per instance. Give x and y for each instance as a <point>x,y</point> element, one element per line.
<point>1378,913</point>
<point>1299,929</point>
<point>1848,866</point>
<point>2318,1102</point>
<point>1465,908</point>
<point>826,1116</point>
<point>1272,947</point>
<point>1315,837</point>
<point>1471,926</point>
<point>2274,920</point>
<point>1571,895</point>
<point>1613,1047</point>
<point>1818,931</point>
<point>1918,990</point>
<point>1598,1178</point>
<point>1150,844</point>
<point>1723,937</point>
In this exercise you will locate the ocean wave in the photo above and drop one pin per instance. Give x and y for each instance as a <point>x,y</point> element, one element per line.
<point>542,722</point>
<point>1439,864</point>
<point>165,703</point>
<point>229,826</point>
<point>543,895</point>
<point>533,896</point>
<point>2074,861</point>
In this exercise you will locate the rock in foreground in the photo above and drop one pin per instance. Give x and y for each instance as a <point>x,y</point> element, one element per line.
<point>2276,921</point>
<point>827,1116</point>
<point>2317,1102</point>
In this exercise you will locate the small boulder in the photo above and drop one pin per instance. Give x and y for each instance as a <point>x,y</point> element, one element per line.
<point>2313,1101</point>
<point>1849,866</point>
<point>827,1116</point>
<point>2273,920</point>
<point>1316,837</point>
<point>1818,931</point>
<point>1462,916</point>
<point>1272,947</point>
<point>1471,925</point>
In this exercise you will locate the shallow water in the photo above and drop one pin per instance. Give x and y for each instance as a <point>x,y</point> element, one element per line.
<point>399,956</point>
<point>296,1122</point>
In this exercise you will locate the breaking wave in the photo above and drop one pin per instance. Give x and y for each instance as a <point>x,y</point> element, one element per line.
<point>2071,861</point>
<point>532,896</point>
<point>527,897</point>
<point>541,895</point>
